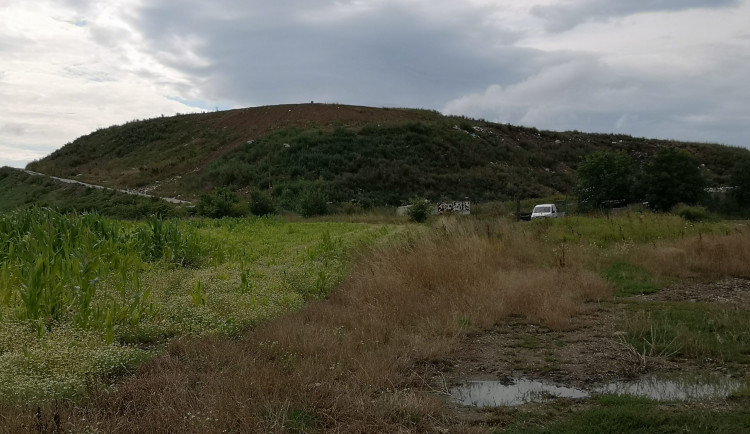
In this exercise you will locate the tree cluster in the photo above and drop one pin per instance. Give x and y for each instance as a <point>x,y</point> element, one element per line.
<point>670,177</point>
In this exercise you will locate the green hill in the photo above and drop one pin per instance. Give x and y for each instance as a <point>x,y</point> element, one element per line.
<point>370,155</point>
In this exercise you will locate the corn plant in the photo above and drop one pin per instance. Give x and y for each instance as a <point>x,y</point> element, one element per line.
<point>163,241</point>
<point>246,285</point>
<point>197,295</point>
<point>51,266</point>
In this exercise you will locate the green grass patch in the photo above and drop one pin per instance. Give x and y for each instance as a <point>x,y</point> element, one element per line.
<point>629,228</point>
<point>301,421</point>
<point>629,279</point>
<point>687,329</point>
<point>623,414</point>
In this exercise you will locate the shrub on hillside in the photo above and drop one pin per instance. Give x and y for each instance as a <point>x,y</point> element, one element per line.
<point>313,201</point>
<point>221,202</point>
<point>261,203</point>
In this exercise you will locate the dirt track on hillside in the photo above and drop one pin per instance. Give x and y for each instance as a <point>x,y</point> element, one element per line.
<point>101,187</point>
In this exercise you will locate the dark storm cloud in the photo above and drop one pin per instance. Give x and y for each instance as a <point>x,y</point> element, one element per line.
<point>392,55</point>
<point>565,16</point>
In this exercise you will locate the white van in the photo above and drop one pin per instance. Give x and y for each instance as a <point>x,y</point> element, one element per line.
<point>545,210</point>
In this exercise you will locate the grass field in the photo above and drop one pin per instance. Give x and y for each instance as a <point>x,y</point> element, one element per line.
<point>83,298</point>
<point>260,325</point>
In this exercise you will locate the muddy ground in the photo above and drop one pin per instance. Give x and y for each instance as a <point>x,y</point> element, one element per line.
<point>590,353</point>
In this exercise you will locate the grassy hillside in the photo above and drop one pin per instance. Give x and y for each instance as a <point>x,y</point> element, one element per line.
<point>19,189</point>
<point>371,155</point>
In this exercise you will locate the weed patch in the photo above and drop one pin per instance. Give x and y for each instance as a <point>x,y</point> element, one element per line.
<point>622,414</point>
<point>695,330</point>
<point>629,279</point>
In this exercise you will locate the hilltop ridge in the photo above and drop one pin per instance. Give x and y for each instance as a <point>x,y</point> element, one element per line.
<point>353,153</point>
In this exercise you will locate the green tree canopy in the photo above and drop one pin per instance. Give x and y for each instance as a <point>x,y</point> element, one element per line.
<point>605,176</point>
<point>672,176</point>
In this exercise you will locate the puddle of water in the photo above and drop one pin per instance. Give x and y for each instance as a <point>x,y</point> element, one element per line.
<point>675,388</point>
<point>660,388</point>
<point>521,391</point>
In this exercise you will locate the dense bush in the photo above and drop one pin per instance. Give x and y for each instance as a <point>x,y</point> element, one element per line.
<point>313,201</point>
<point>221,202</point>
<point>419,210</point>
<point>261,203</point>
<point>691,213</point>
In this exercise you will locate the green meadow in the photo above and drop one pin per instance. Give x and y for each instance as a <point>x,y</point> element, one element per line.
<point>84,299</point>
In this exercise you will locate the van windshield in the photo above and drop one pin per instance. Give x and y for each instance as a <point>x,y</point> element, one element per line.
<point>543,209</point>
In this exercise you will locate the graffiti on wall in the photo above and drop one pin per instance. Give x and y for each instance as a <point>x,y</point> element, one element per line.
<point>455,207</point>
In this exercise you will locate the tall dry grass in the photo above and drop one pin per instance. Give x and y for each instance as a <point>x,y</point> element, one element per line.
<point>711,255</point>
<point>348,363</point>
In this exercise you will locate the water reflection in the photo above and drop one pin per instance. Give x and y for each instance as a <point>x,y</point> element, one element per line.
<point>517,392</point>
<point>675,388</point>
<point>660,388</point>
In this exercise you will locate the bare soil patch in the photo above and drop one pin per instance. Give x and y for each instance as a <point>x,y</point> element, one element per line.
<point>726,291</point>
<point>589,353</point>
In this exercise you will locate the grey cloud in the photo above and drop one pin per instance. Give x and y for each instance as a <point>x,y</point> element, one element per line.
<point>389,56</point>
<point>12,44</point>
<point>585,94</point>
<point>87,73</point>
<point>12,129</point>
<point>560,17</point>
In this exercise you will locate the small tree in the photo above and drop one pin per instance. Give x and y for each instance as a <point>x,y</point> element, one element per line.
<point>672,176</point>
<point>605,176</point>
<point>419,210</point>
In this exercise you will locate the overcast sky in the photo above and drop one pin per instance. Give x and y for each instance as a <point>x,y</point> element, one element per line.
<point>675,69</point>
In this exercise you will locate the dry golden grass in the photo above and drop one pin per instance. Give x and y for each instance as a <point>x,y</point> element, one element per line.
<point>713,255</point>
<point>346,364</point>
